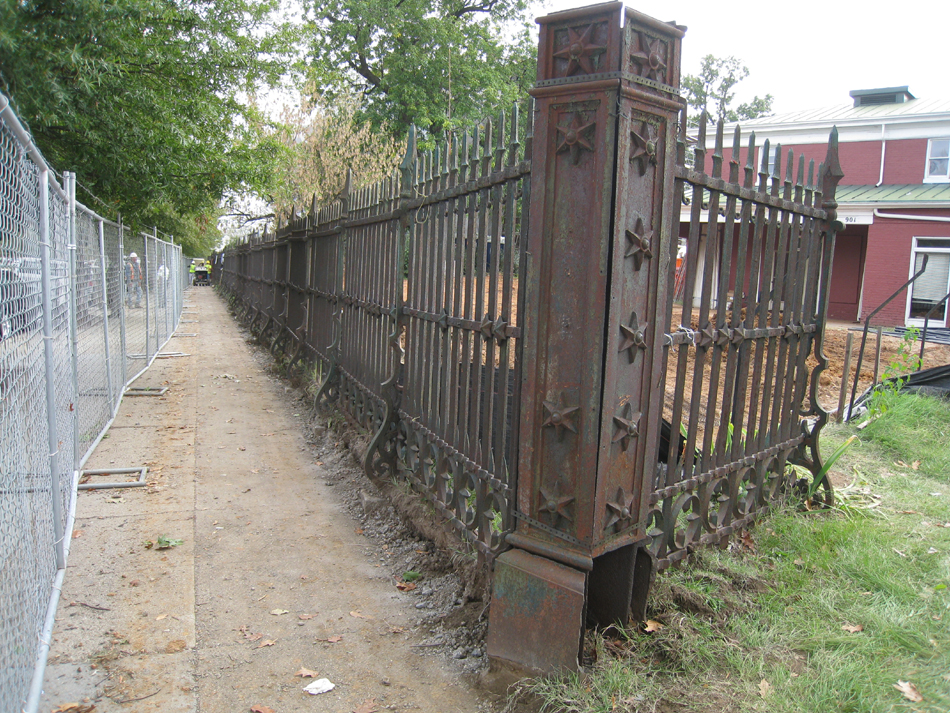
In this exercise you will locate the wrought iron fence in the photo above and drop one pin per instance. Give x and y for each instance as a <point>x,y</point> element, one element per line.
<point>662,404</point>
<point>64,340</point>
<point>742,349</point>
<point>406,293</point>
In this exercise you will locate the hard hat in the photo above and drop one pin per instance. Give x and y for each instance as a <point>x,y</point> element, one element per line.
<point>133,256</point>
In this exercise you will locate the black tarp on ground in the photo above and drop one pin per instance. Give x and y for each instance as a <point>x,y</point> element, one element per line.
<point>930,382</point>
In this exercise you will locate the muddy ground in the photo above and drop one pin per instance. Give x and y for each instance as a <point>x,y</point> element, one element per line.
<point>256,560</point>
<point>835,346</point>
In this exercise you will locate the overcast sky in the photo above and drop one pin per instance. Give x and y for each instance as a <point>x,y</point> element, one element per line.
<point>811,53</point>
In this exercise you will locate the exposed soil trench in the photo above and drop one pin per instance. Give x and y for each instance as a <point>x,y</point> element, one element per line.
<point>281,565</point>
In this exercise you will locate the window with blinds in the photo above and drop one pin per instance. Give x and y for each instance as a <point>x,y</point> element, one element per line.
<point>929,289</point>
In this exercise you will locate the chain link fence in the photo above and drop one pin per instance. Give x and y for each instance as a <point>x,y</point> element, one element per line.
<point>85,305</point>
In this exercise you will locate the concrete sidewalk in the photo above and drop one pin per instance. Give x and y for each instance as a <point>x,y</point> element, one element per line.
<point>270,576</point>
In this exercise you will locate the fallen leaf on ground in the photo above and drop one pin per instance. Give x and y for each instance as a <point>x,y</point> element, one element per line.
<point>367,706</point>
<point>75,708</point>
<point>909,690</point>
<point>799,562</point>
<point>908,512</point>
<point>396,630</point>
<point>278,612</point>
<point>265,642</point>
<point>901,463</point>
<point>652,626</point>
<point>306,673</point>
<point>932,551</point>
<point>405,586</point>
<point>746,539</point>
<point>333,639</point>
<point>356,614</point>
<point>915,465</point>
<point>305,617</point>
<point>764,688</point>
<point>261,709</point>
<point>160,617</point>
<point>853,628</point>
<point>78,533</point>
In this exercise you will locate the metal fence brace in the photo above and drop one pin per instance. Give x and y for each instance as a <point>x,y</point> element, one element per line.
<point>145,391</point>
<point>138,483</point>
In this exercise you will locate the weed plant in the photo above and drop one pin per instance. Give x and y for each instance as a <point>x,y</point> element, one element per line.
<point>813,611</point>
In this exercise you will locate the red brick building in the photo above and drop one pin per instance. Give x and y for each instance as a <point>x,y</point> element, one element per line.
<point>894,199</point>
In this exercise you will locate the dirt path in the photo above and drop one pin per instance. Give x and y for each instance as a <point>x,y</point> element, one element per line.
<point>272,574</point>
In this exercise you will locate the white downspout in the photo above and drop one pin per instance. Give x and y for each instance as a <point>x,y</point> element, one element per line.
<point>880,179</point>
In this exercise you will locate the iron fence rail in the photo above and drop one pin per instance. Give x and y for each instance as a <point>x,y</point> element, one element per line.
<point>63,367</point>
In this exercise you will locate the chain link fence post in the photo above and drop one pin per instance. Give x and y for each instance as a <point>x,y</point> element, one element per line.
<point>105,312</point>
<point>69,180</point>
<point>48,357</point>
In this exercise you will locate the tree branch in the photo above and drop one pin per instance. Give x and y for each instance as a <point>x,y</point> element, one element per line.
<point>362,68</point>
<point>484,6</point>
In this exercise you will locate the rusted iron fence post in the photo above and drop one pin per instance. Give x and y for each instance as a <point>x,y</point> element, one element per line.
<point>602,194</point>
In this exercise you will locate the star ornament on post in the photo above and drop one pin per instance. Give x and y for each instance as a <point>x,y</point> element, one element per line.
<point>643,146</point>
<point>559,418</point>
<point>555,504</point>
<point>627,425</point>
<point>639,243</point>
<point>579,51</point>
<point>632,335</point>
<point>576,137</point>
<point>650,57</point>
<point>619,509</point>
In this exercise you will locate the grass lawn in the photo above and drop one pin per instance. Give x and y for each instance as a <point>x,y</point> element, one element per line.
<point>838,610</point>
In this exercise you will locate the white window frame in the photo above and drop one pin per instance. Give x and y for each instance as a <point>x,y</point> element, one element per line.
<point>939,178</point>
<point>918,321</point>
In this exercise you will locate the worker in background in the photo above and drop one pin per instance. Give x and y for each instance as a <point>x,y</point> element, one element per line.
<point>133,281</point>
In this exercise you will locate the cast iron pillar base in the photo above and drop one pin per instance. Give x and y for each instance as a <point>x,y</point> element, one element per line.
<point>536,621</point>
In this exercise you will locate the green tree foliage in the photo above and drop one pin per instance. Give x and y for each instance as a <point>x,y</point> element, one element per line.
<point>142,98</point>
<point>435,63</point>
<point>712,91</point>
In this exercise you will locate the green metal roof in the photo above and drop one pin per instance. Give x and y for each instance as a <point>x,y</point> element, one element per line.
<point>937,193</point>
